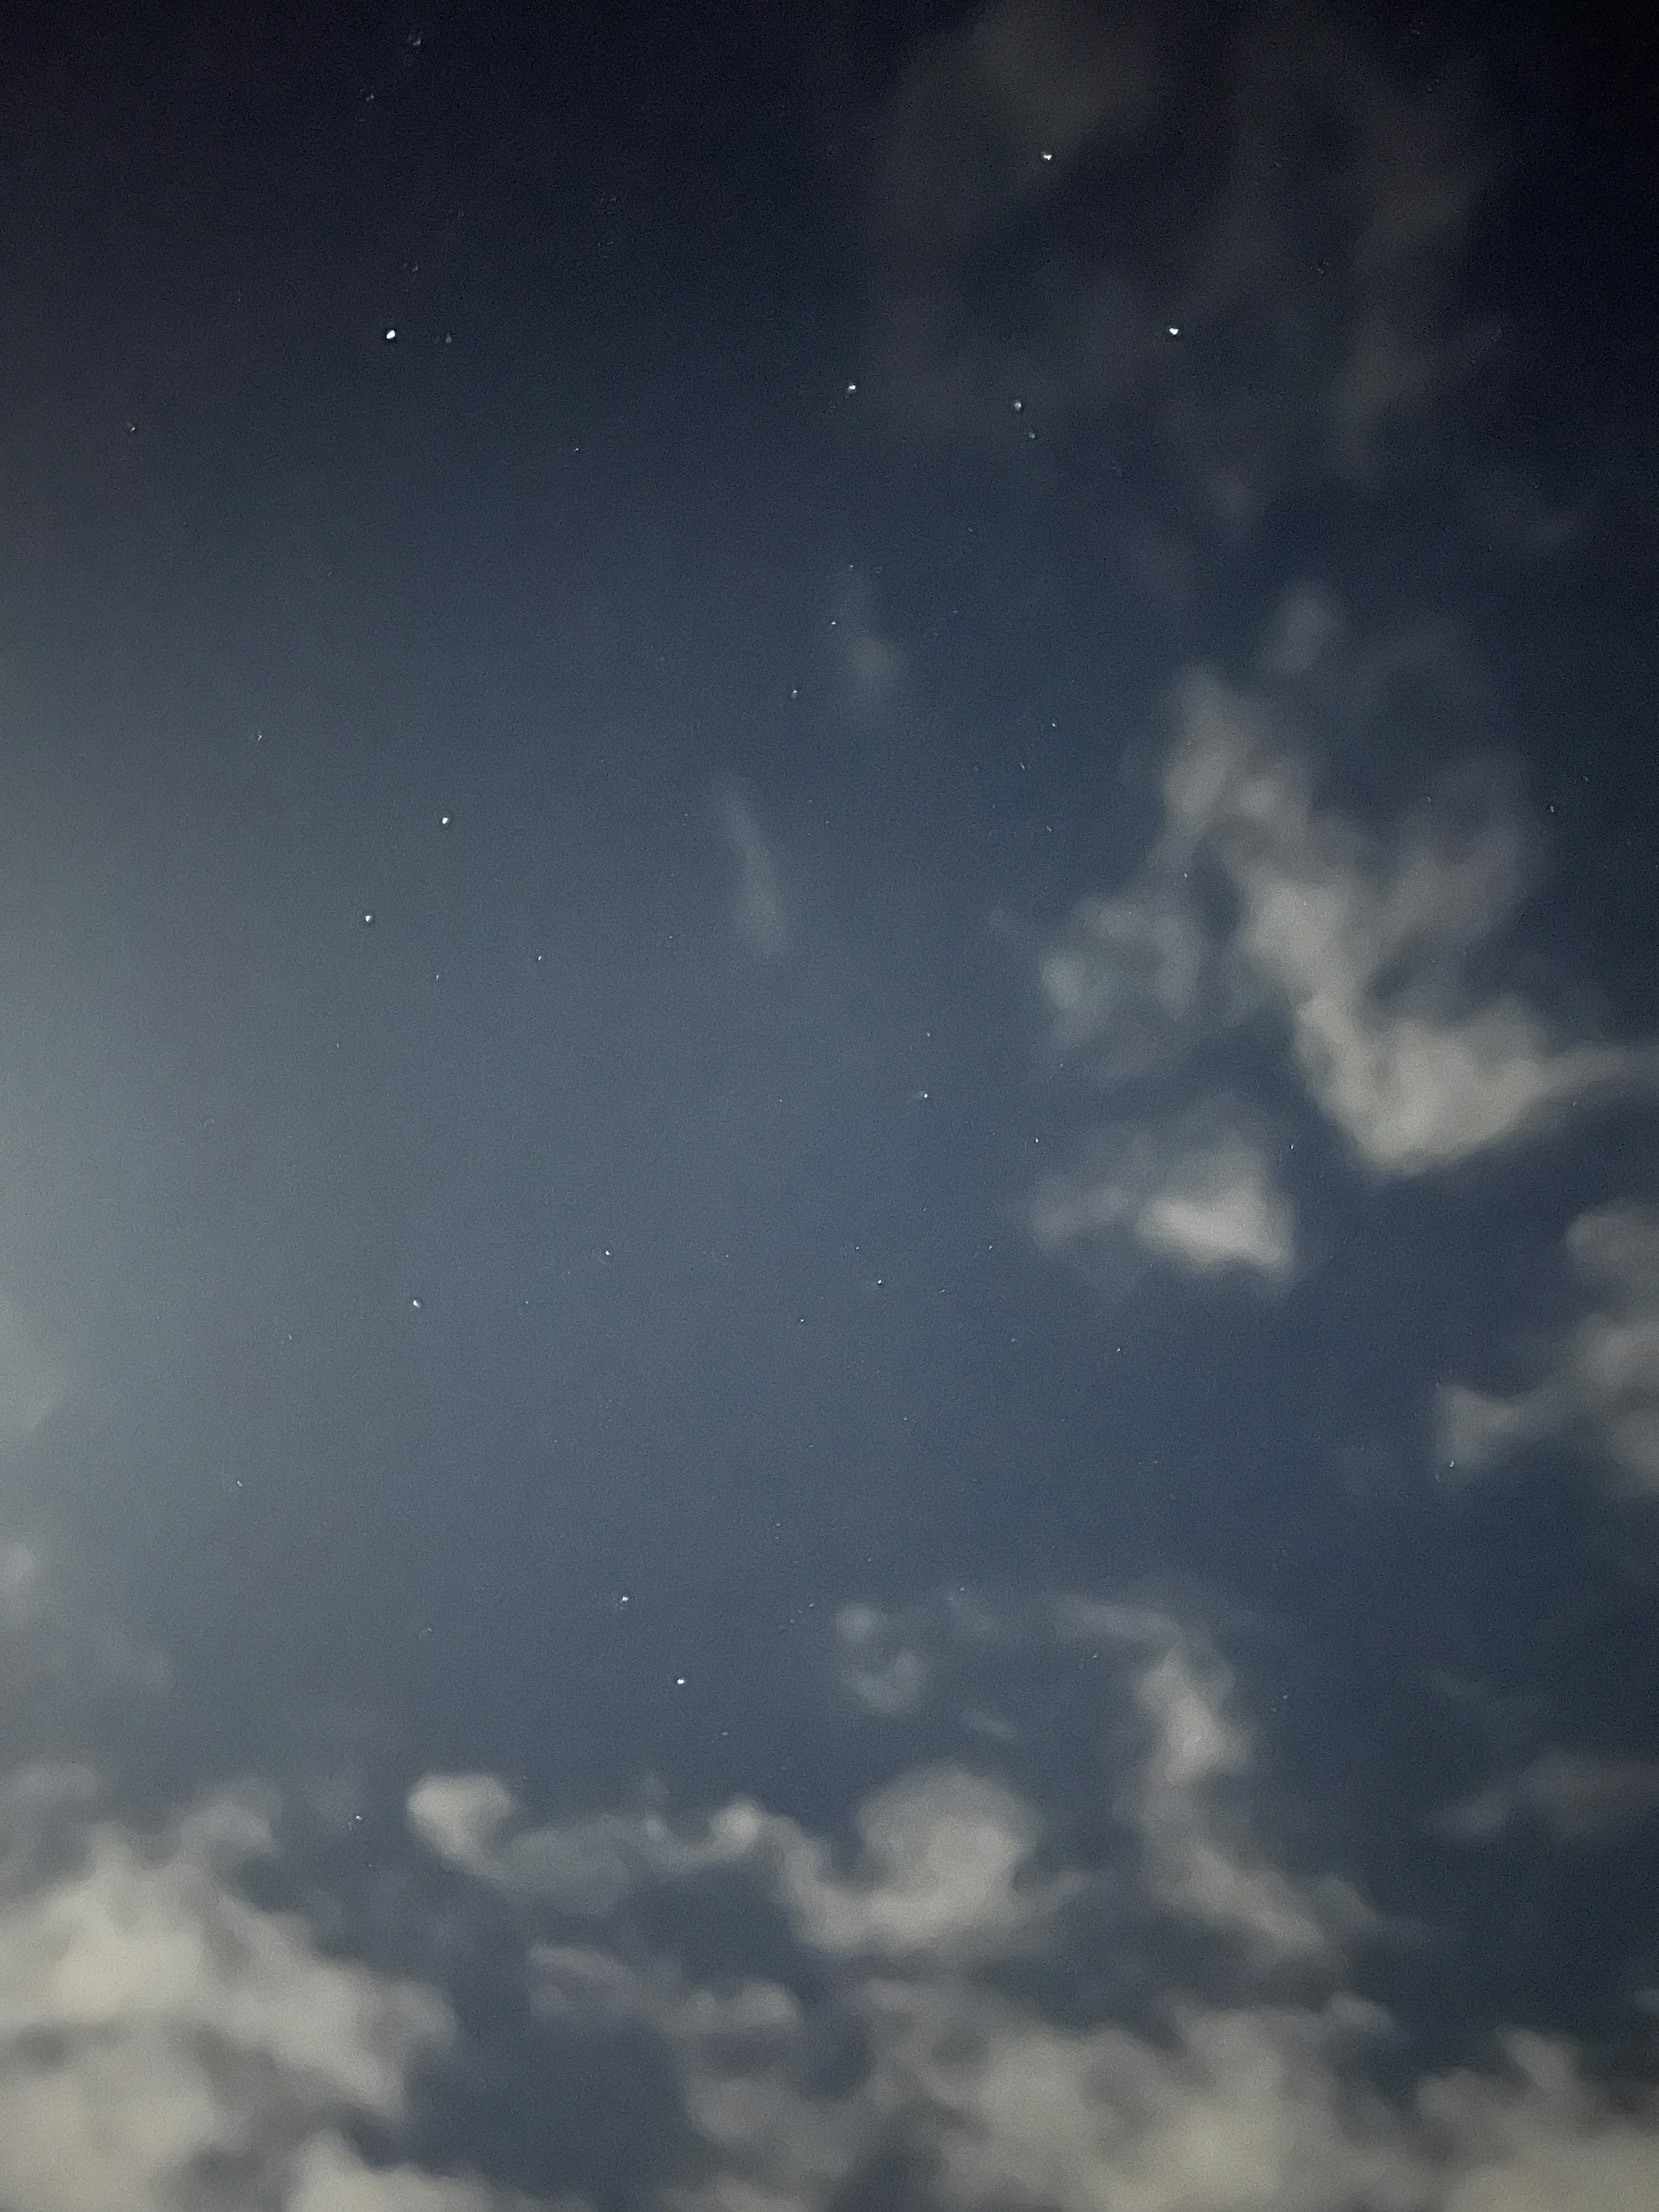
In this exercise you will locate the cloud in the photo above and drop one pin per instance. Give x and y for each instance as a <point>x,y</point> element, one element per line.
<point>1274,290</point>
<point>1600,1391</point>
<point>1575,1796</point>
<point>760,912</point>
<point>166,2045</point>
<point>68,1666</point>
<point>941,2032</point>
<point>31,1384</point>
<point>328,2176</point>
<point>868,668</point>
<point>942,1858</point>
<point>1541,2137</point>
<point>1261,906</point>
<point>886,1677</point>
<point>1361,941</point>
<point>1199,1193</point>
<point>945,1858</point>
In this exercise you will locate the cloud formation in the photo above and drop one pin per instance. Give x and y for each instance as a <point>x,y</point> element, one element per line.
<point>1273,292</point>
<point>760,911</point>
<point>1600,1393</point>
<point>1201,1193</point>
<point>1261,903</point>
<point>1575,1796</point>
<point>944,2023</point>
<point>164,2044</point>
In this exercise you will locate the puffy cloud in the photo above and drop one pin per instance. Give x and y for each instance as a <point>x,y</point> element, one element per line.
<point>1601,1392</point>
<point>943,1853</point>
<point>1540,2138</point>
<point>1236,2108</point>
<point>328,2176</point>
<point>586,1867</point>
<point>940,2025</point>
<point>166,2045</point>
<point>946,1863</point>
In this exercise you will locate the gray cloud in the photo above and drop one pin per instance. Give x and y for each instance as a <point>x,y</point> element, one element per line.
<point>907,2050</point>
<point>1274,291</point>
<point>1576,1797</point>
<point>760,910</point>
<point>1260,901</point>
<point>1600,1391</point>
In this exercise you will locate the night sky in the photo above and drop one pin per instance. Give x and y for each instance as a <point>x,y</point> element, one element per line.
<point>830,1231</point>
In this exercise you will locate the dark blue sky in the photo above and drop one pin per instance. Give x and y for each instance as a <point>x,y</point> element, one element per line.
<point>830,1255</point>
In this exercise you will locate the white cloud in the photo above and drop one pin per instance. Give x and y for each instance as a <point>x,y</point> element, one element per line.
<point>942,1856</point>
<point>1199,1193</point>
<point>168,2047</point>
<point>1543,2138</point>
<point>1238,2109</point>
<point>1360,944</point>
<point>946,1868</point>
<point>1358,939</point>
<point>904,2047</point>
<point>328,2176</point>
<point>1601,1390</point>
<point>946,1860</point>
<point>1195,1866</point>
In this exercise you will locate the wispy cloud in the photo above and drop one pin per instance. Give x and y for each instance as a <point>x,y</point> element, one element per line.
<point>1275,292</point>
<point>1261,906</point>
<point>1601,1390</point>
<point>1576,1797</point>
<point>1199,1193</point>
<point>760,910</point>
<point>32,1385</point>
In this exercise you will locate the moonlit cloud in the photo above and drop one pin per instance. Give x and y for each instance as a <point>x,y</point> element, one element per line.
<point>1199,1195</point>
<point>760,912</point>
<point>1359,943</point>
<point>1576,1797</point>
<point>168,2045</point>
<point>902,2044</point>
<point>1275,293</point>
<point>1600,1391</point>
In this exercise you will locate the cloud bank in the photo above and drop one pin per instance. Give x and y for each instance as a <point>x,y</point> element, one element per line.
<point>959,2013</point>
